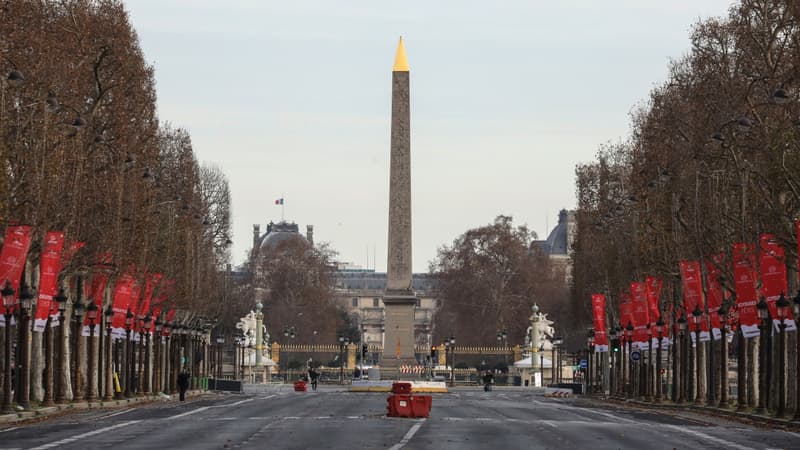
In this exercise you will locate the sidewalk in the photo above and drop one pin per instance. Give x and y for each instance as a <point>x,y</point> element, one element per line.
<point>45,411</point>
<point>748,417</point>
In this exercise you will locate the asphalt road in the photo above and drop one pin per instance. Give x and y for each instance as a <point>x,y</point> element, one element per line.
<point>334,419</point>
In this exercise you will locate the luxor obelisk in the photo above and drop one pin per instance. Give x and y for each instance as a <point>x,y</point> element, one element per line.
<point>399,298</point>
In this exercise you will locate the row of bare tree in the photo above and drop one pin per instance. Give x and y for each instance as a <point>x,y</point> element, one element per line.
<point>712,159</point>
<point>82,151</point>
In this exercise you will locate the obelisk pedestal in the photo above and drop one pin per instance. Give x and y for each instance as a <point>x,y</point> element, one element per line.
<point>399,298</point>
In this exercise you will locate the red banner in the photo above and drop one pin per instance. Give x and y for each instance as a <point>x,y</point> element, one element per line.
<point>48,277</point>
<point>641,319</point>
<point>96,294</point>
<point>654,286</point>
<point>599,319</point>
<point>744,272</point>
<point>772,262</point>
<point>120,303</point>
<point>69,252</point>
<point>692,289</point>
<point>151,284</point>
<point>12,259</point>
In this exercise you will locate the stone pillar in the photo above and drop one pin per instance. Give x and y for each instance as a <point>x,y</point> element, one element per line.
<point>351,355</point>
<point>399,298</point>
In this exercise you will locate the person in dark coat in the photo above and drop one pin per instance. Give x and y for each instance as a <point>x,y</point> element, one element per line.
<point>314,376</point>
<point>488,378</point>
<point>183,383</point>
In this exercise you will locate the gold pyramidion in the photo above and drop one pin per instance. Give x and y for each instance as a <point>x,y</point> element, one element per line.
<point>400,61</point>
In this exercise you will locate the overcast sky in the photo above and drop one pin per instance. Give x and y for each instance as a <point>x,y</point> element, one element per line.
<point>292,99</point>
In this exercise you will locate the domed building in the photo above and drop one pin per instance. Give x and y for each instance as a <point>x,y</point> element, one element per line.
<point>277,233</point>
<point>559,242</point>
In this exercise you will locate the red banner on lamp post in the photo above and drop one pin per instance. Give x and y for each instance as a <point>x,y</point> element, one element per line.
<point>714,294</point>
<point>48,277</point>
<point>692,290</point>
<point>744,272</point>
<point>641,319</point>
<point>120,303</point>
<point>654,286</point>
<point>12,259</point>
<point>772,262</point>
<point>599,319</point>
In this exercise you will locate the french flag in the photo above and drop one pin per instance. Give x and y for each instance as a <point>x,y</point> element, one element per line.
<point>279,201</point>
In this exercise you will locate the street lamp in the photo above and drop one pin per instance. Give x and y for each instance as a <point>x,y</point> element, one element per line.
<point>452,342</point>
<point>501,337</point>
<point>8,302</point>
<point>796,311</point>
<point>589,365</point>
<point>148,320</point>
<point>782,307</point>
<point>343,341</point>
<point>697,317</point>
<point>684,353</point>
<point>23,365</point>
<point>629,338</point>
<point>660,333</point>
<point>763,315</point>
<point>128,354</point>
<point>555,364</point>
<point>91,315</point>
<point>62,300</point>
<point>723,353</point>
<point>110,366</point>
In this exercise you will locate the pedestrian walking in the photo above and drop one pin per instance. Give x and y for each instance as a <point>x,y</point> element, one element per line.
<point>313,375</point>
<point>488,378</point>
<point>183,383</point>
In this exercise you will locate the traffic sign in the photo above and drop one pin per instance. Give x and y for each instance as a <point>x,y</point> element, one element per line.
<point>584,364</point>
<point>635,355</point>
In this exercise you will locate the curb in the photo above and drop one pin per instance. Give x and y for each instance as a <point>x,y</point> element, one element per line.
<point>46,411</point>
<point>745,417</point>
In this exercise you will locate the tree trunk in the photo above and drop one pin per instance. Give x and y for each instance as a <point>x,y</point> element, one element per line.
<point>791,371</point>
<point>80,382</point>
<point>752,372</point>
<point>37,367</point>
<point>65,374</point>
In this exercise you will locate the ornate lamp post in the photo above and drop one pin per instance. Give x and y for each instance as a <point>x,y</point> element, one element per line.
<point>129,360</point>
<point>723,357</point>
<point>109,356</point>
<point>452,347</point>
<point>796,311</point>
<point>78,309</point>
<point>648,368</point>
<point>148,320</point>
<point>157,365</point>
<point>589,365</point>
<point>556,364</point>
<point>629,339</point>
<point>782,307</point>
<point>763,315</point>
<point>61,387</point>
<point>23,351</point>
<point>660,333</point>
<point>8,302</point>
<point>683,385</point>
<point>341,361</point>
<point>501,338</point>
<point>697,317</point>
<point>91,315</point>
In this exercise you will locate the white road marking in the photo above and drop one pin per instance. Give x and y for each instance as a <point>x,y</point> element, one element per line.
<point>616,418</point>
<point>84,435</point>
<point>267,397</point>
<point>232,404</point>
<point>9,429</point>
<point>292,418</point>
<point>408,436</point>
<point>189,412</point>
<point>116,413</point>
<point>707,437</point>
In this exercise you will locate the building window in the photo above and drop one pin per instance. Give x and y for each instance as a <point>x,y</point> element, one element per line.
<point>376,302</point>
<point>355,302</point>
<point>419,303</point>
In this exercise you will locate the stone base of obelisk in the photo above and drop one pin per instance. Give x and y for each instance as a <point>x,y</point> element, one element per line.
<point>398,346</point>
